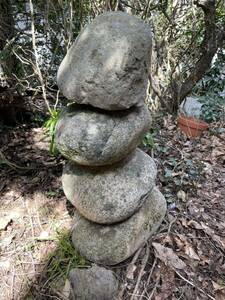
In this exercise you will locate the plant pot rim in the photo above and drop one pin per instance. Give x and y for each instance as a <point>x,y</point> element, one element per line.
<point>192,122</point>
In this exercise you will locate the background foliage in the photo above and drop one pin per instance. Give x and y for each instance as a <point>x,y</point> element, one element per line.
<point>36,35</point>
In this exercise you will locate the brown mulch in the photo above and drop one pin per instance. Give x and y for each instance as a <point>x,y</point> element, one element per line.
<point>184,260</point>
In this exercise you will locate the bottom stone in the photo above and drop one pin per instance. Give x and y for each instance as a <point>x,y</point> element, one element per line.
<point>95,283</point>
<point>112,244</point>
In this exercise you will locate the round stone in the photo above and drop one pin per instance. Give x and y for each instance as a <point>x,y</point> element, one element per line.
<point>95,283</point>
<point>110,194</point>
<point>108,64</point>
<point>89,136</point>
<point>112,244</point>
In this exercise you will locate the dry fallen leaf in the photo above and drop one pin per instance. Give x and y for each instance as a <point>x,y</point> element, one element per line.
<point>181,195</point>
<point>168,282</point>
<point>4,222</point>
<point>194,224</point>
<point>215,238</point>
<point>220,295</point>
<point>5,265</point>
<point>179,243</point>
<point>130,273</point>
<point>218,287</point>
<point>182,243</point>
<point>66,290</point>
<point>168,256</point>
<point>191,252</point>
<point>5,241</point>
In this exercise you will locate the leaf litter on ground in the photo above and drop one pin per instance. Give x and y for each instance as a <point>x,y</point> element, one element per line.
<point>186,257</point>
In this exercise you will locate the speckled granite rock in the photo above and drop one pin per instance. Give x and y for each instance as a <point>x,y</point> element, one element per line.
<point>90,136</point>
<point>107,66</point>
<point>111,184</point>
<point>113,244</point>
<point>95,283</point>
<point>110,194</point>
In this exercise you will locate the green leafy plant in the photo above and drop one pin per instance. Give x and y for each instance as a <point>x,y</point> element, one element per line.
<point>49,127</point>
<point>52,194</point>
<point>148,140</point>
<point>213,107</point>
<point>211,90</point>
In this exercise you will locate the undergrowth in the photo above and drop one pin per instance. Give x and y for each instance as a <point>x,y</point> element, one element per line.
<point>64,258</point>
<point>50,126</point>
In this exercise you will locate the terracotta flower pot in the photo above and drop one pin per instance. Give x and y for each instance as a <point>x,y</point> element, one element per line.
<point>191,127</point>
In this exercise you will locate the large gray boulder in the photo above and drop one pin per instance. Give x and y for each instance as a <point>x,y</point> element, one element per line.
<point>90,136</point>
<point>95,283</point>
<point>108,64</point>
<point>110,245</point>
<point>110,194</point>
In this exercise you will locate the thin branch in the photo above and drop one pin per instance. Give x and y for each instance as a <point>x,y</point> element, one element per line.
<point>143,264</point>
<point>192,284</point>
<point>38,71</point>
<point>130,6</point>
<point>70,34</point>
<point>57,100</point>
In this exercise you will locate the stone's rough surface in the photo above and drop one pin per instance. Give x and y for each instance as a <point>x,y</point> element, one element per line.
<point>95,283</point>
<point>110,194</point>
<point>91,136</point>
<point>112,244</point>
<point>111,184</point>
<point>107,66</point>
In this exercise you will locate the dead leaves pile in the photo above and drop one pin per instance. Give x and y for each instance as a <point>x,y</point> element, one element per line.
<point>187,255</point>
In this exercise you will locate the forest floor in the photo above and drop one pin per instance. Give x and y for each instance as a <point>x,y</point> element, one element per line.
<point>185,259</point>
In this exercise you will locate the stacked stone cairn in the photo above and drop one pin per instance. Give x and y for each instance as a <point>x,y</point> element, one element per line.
<point>109,181</point>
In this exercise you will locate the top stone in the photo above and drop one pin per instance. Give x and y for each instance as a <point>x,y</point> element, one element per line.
<point>107,66</point>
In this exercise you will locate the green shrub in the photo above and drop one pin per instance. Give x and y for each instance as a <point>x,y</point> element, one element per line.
<point>148,141</point>
<point>213,107</point>
<point>211,90</point>
<point>49,127</point>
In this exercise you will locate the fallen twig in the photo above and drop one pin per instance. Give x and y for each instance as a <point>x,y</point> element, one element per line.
<point>192,284</point>
<point>14,166</point>
<point>149,277</point>
<point>129,269</point>
<point>143,265</point>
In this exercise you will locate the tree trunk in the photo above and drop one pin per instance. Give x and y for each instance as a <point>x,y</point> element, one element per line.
<point>213,39</point>
<point>6,33</point>
<point>172,95</point>
<point>9,102</point>
<point>6,22</point>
